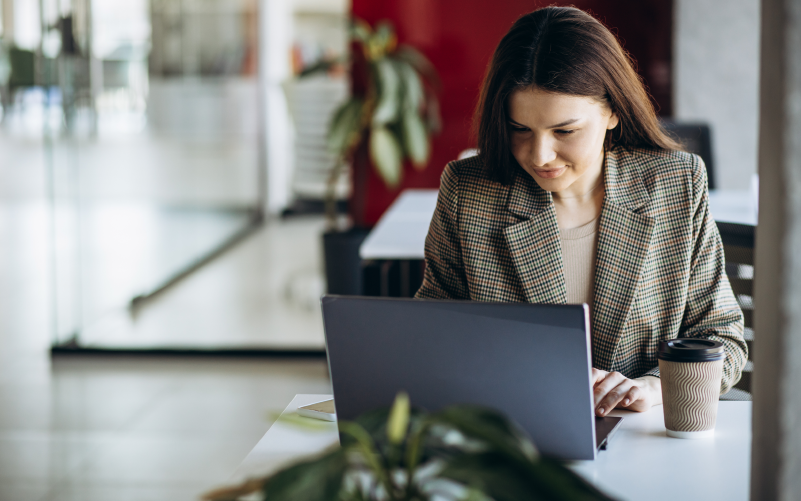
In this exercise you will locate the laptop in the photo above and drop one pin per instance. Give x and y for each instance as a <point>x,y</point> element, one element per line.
<point>531,362</point>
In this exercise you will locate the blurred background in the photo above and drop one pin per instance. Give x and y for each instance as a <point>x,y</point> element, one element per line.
<point>163,173</point>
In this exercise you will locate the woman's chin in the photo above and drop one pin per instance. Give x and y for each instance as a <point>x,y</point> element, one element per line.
<point>554,185</point>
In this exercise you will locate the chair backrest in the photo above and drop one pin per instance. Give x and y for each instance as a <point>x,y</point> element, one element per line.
<point>23,63</point>
<point>696,138</point>
<point>738,246</point>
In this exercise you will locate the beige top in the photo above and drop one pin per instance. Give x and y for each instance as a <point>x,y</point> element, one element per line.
<point>578,257</point>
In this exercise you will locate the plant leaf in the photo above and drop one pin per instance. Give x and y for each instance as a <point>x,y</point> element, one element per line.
<point>412,87</point>
<point>433,117</point>
<point>398,421</point>
<point>475,495</point>
<point>360,30</point>
<point>345,124</point>
<point>381,42</point>
<point>316,480</point>
<point>420,63</point>
<point>491,427</point>
<point>389,83</point>
<point>415,138</point>
<point>505,479</point>
<point>386,154</point>
<point>374,423</point>
<point>491,474</point>
<point>367,448</point>
<point>301,422</point>
<point>384,36</point>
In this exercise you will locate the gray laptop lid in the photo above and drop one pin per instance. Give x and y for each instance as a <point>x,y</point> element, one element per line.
<point>531,362</point>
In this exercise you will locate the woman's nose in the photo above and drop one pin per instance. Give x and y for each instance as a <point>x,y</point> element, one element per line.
<point>542,152</point>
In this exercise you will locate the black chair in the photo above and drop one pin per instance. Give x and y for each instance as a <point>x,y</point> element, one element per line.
<point>738,245</point>
<point>696,138</point>
<point>23,64</point>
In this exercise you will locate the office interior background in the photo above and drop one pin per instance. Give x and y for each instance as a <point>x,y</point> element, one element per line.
<point>162,176</point>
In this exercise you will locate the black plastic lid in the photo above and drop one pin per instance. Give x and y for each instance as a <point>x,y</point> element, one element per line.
<point>691,350</point>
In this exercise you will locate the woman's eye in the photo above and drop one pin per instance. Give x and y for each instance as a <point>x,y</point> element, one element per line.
<point>517,128</point>
<point>565,132</point>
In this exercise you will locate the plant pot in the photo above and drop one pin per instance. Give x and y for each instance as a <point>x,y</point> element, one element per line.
<point>343,266</point>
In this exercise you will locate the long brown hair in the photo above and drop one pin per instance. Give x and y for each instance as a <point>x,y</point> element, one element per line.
<point>565,50</point>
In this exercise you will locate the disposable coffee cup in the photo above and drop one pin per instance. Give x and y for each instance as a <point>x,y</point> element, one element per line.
<point>690,371</point>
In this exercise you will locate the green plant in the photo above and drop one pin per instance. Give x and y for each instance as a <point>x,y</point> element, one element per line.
<point>397,113</point>
<point>460,453</point>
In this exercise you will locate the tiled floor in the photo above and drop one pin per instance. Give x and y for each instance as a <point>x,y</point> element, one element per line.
<point>263,293</point>
<point>148,428</point>
<point>139,429</point>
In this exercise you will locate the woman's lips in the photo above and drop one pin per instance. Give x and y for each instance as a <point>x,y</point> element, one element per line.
<point>550,173</point>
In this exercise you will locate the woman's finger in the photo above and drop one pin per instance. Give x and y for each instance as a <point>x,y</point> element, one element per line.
<point>598,375</point>
<point>614,397</point>
<point>603,387</point>
<point>641,401</point>
<point>634,394</point>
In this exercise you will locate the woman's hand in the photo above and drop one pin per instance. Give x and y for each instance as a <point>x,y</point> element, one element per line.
<point>613,389</point>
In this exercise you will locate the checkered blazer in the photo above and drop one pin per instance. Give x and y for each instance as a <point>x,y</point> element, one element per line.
<point>660,270</point>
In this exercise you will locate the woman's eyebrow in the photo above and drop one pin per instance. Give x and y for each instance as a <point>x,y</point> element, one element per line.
<point>562,124</point>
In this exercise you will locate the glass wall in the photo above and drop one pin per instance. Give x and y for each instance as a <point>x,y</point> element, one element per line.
<point>149,114</point>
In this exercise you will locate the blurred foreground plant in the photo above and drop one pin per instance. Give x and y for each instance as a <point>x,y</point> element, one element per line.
<point>460,453</point>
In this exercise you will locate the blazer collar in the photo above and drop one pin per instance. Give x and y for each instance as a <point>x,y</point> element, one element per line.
<point>625,235</point>
<point>623,181</point>
<point>526,198</point>
<point>532,236</point>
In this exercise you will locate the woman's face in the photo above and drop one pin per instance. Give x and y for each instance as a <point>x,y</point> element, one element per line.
<point>558,138</point>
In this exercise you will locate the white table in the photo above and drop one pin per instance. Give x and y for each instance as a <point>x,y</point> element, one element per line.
<point>401,232</point>
<point>640,463</point>
<point>286,442</point>
<point>733,206</point>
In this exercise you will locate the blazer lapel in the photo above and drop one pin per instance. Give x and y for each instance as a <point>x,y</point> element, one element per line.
<point>625,235</point>
<point>534,242</point>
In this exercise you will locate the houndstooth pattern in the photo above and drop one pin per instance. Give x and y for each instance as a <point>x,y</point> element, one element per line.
<point>660,271</point>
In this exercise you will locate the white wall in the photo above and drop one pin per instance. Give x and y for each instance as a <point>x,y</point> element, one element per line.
<point>275,40</point>
<point>715,80</point>
<point>27,24</point>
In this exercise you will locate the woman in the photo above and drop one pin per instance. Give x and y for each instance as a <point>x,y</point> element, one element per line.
<point>577,195</point>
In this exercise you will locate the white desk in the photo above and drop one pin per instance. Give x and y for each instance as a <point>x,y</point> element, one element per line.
<point>641,462</point>
<point>401,232</point>
<point>285,442</point>
<point>644,463</point>
<point>732,206</point>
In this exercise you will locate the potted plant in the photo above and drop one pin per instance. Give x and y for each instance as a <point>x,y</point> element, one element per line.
<point>390,117</point>
<point>460,453</point>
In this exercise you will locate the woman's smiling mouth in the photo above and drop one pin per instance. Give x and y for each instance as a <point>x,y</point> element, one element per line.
<point>549,173</point>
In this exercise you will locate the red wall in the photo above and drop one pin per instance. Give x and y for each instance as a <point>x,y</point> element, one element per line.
<point>459,36</point>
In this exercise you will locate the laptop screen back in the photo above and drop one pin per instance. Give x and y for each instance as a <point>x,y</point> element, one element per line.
<point>531,362</point>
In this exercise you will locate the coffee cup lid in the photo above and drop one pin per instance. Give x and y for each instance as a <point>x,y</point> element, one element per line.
<point>691,350</point>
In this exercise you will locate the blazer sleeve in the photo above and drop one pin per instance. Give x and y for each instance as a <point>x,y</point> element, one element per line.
<point>711,311</point>
<point>444,276</point>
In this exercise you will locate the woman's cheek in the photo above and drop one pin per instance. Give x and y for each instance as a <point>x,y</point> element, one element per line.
<point>578,155</point>
<point>520,150</point>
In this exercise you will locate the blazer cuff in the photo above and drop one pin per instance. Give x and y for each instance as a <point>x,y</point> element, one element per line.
<point>653,372</point>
